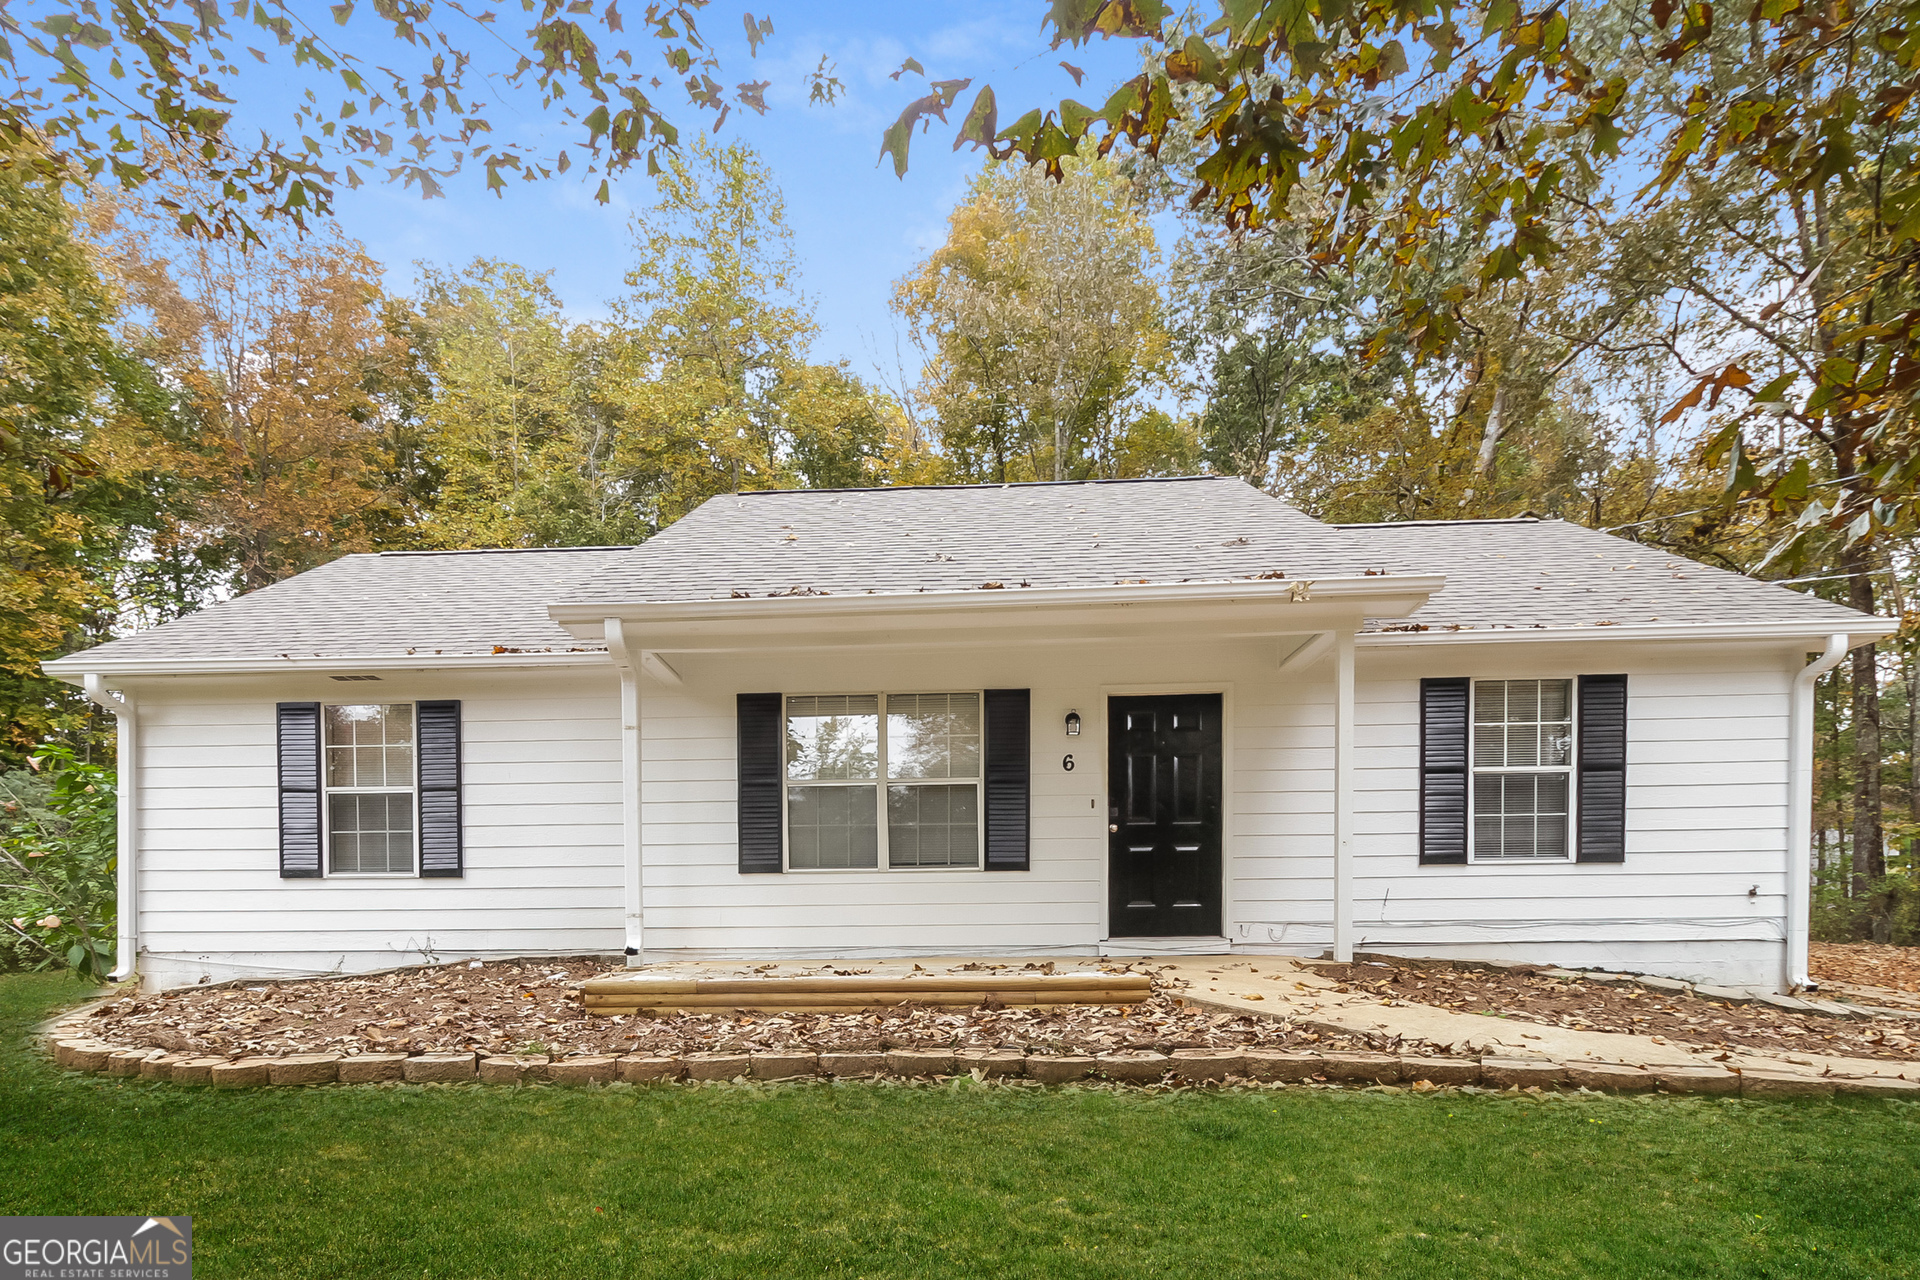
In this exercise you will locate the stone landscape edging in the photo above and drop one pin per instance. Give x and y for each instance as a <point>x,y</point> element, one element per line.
<point>1182,1067</point>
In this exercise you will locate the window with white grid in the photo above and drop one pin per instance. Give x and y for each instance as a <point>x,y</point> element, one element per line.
<point>1522,770</point>
<point>883,782</point>
<point>369,768</point>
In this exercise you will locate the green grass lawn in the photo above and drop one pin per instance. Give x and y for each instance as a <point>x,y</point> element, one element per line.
<point>865,1180</point>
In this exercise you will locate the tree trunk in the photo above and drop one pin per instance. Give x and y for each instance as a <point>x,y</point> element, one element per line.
<point>1913,771</point>
<point>1869,845</point>
<point>1495,428</point>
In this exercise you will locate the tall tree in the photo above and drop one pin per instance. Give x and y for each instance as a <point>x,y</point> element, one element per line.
<point>1042,318</point>
<point>273,352</point>
<point>1371,111</point>
<point>717,387</point>
<point>62,378</point>
<point>519,421</point>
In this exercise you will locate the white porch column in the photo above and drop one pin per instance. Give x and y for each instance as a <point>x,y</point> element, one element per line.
<point>126,953</point>
<point>633,900</point>
<point>1800,807</point>
<point>1343,796</point>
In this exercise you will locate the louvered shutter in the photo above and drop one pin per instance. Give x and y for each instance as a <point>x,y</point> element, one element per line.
<point>1008,778</point>
<point>759,774</point>
<point>1602,760</point>
<point>298,749</point>
<point>1443,771</point>
<point>442,852</point>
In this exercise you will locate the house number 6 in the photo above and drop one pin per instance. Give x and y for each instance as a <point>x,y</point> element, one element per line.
<point>1066,762</point>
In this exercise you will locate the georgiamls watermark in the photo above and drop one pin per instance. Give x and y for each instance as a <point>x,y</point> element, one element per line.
<point>96,1249</point>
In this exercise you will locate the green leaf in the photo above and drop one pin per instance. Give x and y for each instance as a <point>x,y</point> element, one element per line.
<point>1793,485</point>
<point>982,122</point>
<point>894,142</point>
<point>1022,131</point>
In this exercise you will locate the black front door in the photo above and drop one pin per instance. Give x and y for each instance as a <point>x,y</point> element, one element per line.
<point>1163,814</point>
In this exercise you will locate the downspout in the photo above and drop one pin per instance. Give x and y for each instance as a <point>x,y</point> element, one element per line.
<point>1800,810</point>
<point>633,899</point>
<point>1343,714</point>
<point>126,950</point>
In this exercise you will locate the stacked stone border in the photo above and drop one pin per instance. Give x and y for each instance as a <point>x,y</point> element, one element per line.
<point>1182,1067</point>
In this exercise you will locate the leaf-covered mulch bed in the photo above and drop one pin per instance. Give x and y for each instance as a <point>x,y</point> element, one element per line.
<point>1867,964</point>
<point>1521,994</point>
<point>535,1007</point>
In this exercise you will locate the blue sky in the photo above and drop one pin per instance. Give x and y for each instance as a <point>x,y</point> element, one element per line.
<point>856,227</point>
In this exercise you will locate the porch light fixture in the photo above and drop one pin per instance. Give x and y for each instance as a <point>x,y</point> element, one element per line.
<point>1073,724</point>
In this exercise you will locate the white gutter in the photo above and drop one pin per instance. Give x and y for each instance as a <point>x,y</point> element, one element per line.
<point>68,669</point>
<point>633,896</point>
<point>1867,628</point>
<point>1262,590</point>
<point>1800,807</point>
<point>126,952</point>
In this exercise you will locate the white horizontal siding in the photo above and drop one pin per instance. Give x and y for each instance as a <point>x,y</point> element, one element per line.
<point>541,814</point>
<point>1706,749</point>
<point>1707,770</point>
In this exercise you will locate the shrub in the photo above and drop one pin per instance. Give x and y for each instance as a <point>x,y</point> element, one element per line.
<point>1888,912</point>
<point>57,864</point>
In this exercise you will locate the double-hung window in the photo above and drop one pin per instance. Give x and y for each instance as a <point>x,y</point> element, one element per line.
<point>1523,735</point>
<point>877,781</point>
<point>369,776</point>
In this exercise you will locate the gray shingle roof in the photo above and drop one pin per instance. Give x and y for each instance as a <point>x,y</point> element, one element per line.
<point>1500,574</point>
<point>461,602</point>
<point>1093,534</point>
<point>1548,573</point>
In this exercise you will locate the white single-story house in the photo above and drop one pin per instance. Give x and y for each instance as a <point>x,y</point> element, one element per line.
<point>1116,717</point>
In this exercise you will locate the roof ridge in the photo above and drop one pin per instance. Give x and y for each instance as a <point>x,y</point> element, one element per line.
<point>1010,484</point>
<point>1404,524</point>
<point>500,551</point>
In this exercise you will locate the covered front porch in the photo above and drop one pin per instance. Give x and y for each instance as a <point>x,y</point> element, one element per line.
<point>1188,759</point>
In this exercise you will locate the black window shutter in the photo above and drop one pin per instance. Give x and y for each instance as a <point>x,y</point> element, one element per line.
<point>759,769</point>
<point>442,853</point>
<point>1008,770</point>
<point>298,749</point>
<point>1443,771</point>
<point>1602,760</point>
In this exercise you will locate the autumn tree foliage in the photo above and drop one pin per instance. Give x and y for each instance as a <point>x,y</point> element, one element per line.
<point>271,352</point>
<point>1042,319</point>
<point>62,380</point>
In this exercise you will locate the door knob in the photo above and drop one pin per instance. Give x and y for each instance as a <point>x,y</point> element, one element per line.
<point>1113,826</point>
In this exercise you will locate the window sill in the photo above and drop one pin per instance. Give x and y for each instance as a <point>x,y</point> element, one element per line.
<point>1520,862</point>
<point>371,875</point>
<point>877,871</point>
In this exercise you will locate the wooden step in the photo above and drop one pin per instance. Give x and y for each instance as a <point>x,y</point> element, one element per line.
<point>627,993</point>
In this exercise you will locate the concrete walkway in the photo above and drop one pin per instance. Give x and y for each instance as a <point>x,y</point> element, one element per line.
<point>1277,987</point>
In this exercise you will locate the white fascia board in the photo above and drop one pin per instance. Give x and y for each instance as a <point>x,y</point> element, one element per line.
<point>759,610</point>
<point>75,669</point>
<point>1863,631</point>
